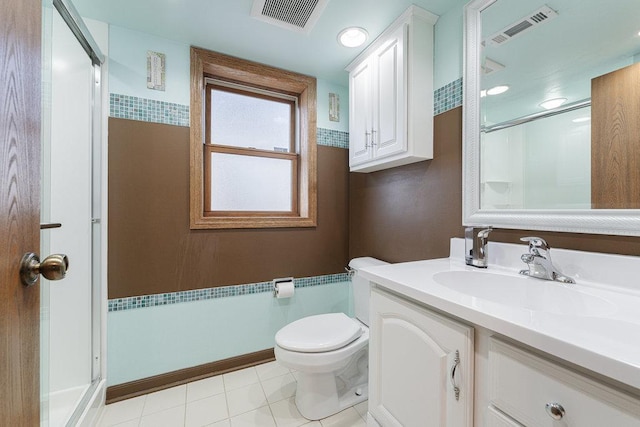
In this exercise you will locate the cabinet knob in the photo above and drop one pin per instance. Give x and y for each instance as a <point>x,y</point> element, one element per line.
<point>555,410</point>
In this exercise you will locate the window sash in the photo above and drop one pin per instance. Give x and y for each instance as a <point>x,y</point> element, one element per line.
<point>212,148</point>
<point>292,101</point>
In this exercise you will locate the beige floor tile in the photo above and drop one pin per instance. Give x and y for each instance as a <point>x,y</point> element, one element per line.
<point>286,414</point>
<point>119,412</point>
<point>245,399</point>
<point>362,408</point>
<point>206,411</point>
<point>347,418</point>
<point>239,379</point>
<point>165,399</point>
<point>271,370</point>
<point>258,418</point>
<point>204,388</point>
<point>223,423</point>
<point>172,417</point>
<point>279,388</point>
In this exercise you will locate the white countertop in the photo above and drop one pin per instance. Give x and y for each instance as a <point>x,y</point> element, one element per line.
<point>606,341</point>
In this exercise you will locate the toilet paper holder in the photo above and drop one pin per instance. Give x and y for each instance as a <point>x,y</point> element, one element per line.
<point>276,282</point>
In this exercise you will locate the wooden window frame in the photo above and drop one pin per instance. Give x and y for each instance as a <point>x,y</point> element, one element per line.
<point>207,64</point>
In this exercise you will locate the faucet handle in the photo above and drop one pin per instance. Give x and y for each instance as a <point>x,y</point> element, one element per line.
<point>484,233</point>
<point>536,243</point>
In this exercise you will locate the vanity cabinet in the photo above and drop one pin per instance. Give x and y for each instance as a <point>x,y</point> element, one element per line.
<point>420,364</point>
<point>391,96</point>
<point>526,389</point>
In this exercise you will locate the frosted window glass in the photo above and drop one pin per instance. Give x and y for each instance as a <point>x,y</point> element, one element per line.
<point>248,121</point>
<point>249,183</point>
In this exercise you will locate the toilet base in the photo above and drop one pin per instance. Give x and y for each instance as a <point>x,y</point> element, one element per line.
<point>320,400</point>
<point>319,395</point>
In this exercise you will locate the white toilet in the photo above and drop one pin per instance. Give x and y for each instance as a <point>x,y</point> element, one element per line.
<point>330,353</point>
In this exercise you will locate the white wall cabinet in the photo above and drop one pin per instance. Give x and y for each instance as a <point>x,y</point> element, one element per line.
<point>420,364</point>
<point>391,96</point>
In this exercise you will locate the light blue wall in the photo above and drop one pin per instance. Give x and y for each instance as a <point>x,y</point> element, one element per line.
<point>128,74</point>
<point>128,65</point>
<point>324,88</point>
<point>153,340</point>
<point>448,46</point>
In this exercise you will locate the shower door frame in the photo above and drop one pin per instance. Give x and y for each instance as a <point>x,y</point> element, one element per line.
<point>93,397</point>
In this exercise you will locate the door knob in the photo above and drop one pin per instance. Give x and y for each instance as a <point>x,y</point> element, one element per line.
<point>54,267</point>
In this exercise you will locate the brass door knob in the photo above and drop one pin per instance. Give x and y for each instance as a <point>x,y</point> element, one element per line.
<point>54,267</point>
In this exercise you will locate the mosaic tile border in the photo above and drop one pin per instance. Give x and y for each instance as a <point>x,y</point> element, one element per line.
<point>130,303</point>
<point>447,97</point>
<point>148,110</point>
<point>333,138</point>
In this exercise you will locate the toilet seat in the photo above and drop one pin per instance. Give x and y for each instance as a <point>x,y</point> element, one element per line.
<point>318,334</point>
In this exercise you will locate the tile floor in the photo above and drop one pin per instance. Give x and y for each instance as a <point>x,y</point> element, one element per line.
<point>260,396</point>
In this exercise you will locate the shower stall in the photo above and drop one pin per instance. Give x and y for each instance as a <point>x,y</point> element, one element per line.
<point>72,310</point>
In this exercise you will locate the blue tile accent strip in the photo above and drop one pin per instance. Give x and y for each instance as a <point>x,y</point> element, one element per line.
<point>130,303</point>
<point>333,138</point>
<point>148,110</point>
<point>447,97</point>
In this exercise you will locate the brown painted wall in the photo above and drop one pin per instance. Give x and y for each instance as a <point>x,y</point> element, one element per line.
<point>151,248</point>
<point>410,212</point>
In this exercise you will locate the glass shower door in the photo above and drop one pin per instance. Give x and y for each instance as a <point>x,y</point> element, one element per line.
<point>70,321</point>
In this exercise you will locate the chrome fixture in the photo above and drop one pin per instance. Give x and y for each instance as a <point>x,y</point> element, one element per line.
<point>539,261</point>
<point>476,240</point>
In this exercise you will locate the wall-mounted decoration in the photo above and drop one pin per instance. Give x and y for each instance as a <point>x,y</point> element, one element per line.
<point>334,107</point>
<point>156,70</point>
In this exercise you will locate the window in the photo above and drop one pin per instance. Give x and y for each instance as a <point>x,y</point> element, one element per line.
<point>253,150</point>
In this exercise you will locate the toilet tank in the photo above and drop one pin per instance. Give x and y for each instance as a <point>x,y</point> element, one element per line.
<point>361,287</point>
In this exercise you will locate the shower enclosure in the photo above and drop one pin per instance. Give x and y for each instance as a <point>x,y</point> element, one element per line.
<point>71,365</point>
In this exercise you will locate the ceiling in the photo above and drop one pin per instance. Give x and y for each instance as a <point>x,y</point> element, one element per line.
<point>226,26</point>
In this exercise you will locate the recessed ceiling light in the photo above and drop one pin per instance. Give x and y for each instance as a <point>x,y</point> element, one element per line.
<point>497,90</point>
<point>352,37</point>
<point>581,119</point>
<point>483,93</point>
<point>550,104</point>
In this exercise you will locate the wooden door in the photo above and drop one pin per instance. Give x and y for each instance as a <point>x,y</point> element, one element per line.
<point>20,77</point>
<point>412,359</point>
<point>615,139</point>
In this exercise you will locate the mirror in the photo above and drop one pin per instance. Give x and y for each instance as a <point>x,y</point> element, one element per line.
<point>554,168</point>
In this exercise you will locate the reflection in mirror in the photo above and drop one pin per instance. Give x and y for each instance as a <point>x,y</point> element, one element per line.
<point>573,166</point>
<point>534,52</point>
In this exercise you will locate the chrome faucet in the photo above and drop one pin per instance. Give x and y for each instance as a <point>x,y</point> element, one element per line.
<point>539,261</point>
<point>476,249</point>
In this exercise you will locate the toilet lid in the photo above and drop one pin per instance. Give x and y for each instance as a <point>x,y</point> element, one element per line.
<point>317,334</point>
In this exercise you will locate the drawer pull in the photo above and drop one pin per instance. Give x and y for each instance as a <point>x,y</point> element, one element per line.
<point>555,410</point>
<point>456,362</point>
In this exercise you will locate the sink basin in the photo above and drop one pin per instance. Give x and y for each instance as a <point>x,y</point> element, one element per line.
<point>524,292</point>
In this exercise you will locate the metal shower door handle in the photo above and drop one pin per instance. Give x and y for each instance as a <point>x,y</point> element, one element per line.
<point>54,267</point>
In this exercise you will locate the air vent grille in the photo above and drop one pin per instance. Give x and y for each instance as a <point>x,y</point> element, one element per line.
<point>540,16</point>
<point>490,66</point>
<point>297,15</point>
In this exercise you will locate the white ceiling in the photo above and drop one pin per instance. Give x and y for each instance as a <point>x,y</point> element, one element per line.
<point>226,26</point>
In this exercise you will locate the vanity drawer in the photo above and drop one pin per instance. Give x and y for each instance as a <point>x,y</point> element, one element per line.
<point>496,418</point>
<point>522,384</point>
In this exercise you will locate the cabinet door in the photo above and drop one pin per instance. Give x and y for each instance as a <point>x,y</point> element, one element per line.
<point>412,359</point>
<point>360,117</point>
<point>389,121</point>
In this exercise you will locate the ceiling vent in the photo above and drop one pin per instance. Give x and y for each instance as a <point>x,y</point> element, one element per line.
<point>296,15</point>
<point>490,66</point>
<point>521,26</point>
